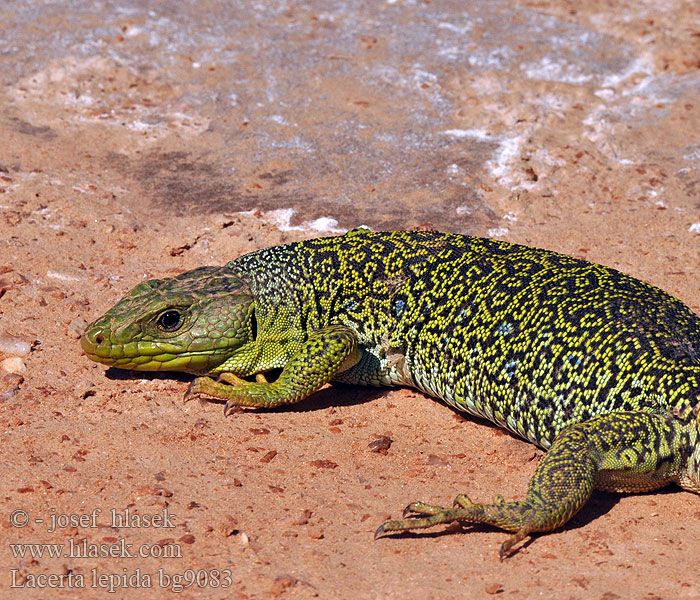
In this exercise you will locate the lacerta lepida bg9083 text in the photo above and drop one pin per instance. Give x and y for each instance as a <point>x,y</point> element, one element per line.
<point>597,367</point>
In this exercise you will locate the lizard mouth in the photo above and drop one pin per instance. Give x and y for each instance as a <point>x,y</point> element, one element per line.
<point>149,356</point>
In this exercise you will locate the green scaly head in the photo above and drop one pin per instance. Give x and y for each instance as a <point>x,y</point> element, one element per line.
<point>191,323</point>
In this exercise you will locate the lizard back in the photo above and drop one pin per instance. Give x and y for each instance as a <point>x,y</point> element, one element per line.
<point>528,338</point>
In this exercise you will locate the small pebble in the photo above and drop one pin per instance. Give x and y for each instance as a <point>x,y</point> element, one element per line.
<point>493,588</point>
<point>269,456</point>
<point>436,461</point>
<point>315,534</point>
<point>14,364</point>
<point>282,583</point>
<point>227,527</point>
<point>63,276</point>
<point>8,394</point>
<point>323,464</point>
<point>303,519</point>
<point>381,444</point>
<point>14,345</point>
<point>13,380</point>
<point>77,327</point>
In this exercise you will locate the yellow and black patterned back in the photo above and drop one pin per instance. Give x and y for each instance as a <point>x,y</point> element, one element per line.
<point>529,338</point>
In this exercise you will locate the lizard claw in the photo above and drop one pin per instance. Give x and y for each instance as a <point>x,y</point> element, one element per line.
<point>380,531</point>
<point>231,408</point>
<point>189,394</point>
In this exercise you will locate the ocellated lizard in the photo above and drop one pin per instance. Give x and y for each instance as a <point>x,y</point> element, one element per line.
<point>593,365</point>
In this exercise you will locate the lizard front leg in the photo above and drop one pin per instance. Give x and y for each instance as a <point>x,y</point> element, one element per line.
<point>326,352</point>
<point>622,451</point>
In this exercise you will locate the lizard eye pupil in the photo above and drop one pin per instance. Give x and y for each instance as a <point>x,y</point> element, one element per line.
<point>170,320</point>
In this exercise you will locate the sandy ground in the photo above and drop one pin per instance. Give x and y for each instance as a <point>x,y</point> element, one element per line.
<point>141,140</point>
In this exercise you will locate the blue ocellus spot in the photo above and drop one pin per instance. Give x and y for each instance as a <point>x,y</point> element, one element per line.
<point>505,328</point>
<point>510,367</point>
<point>399,305</point>
<point>574,360</point>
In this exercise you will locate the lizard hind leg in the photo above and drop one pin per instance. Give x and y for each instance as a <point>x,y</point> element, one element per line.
<point>645,451</point>
<point>561,485</point>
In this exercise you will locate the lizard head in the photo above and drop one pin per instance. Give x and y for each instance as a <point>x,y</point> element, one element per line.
<point>191,323</point>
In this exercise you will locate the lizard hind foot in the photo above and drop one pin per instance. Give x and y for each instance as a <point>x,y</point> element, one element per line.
<point>517,517</point>
<point>420,515</point>
<point>416,509</point>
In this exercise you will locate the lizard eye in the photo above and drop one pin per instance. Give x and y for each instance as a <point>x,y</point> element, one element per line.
<point>170,320</point>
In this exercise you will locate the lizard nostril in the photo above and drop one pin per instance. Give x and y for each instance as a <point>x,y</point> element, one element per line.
<point>99,338</point>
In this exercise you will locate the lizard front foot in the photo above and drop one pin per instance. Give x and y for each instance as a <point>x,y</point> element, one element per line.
<point>317,361</point>
<point>236,391</point>
<point>206,386</point>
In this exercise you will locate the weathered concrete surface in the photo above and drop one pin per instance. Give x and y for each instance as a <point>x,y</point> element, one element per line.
<point>142,139</point>
<point>387,114</point>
